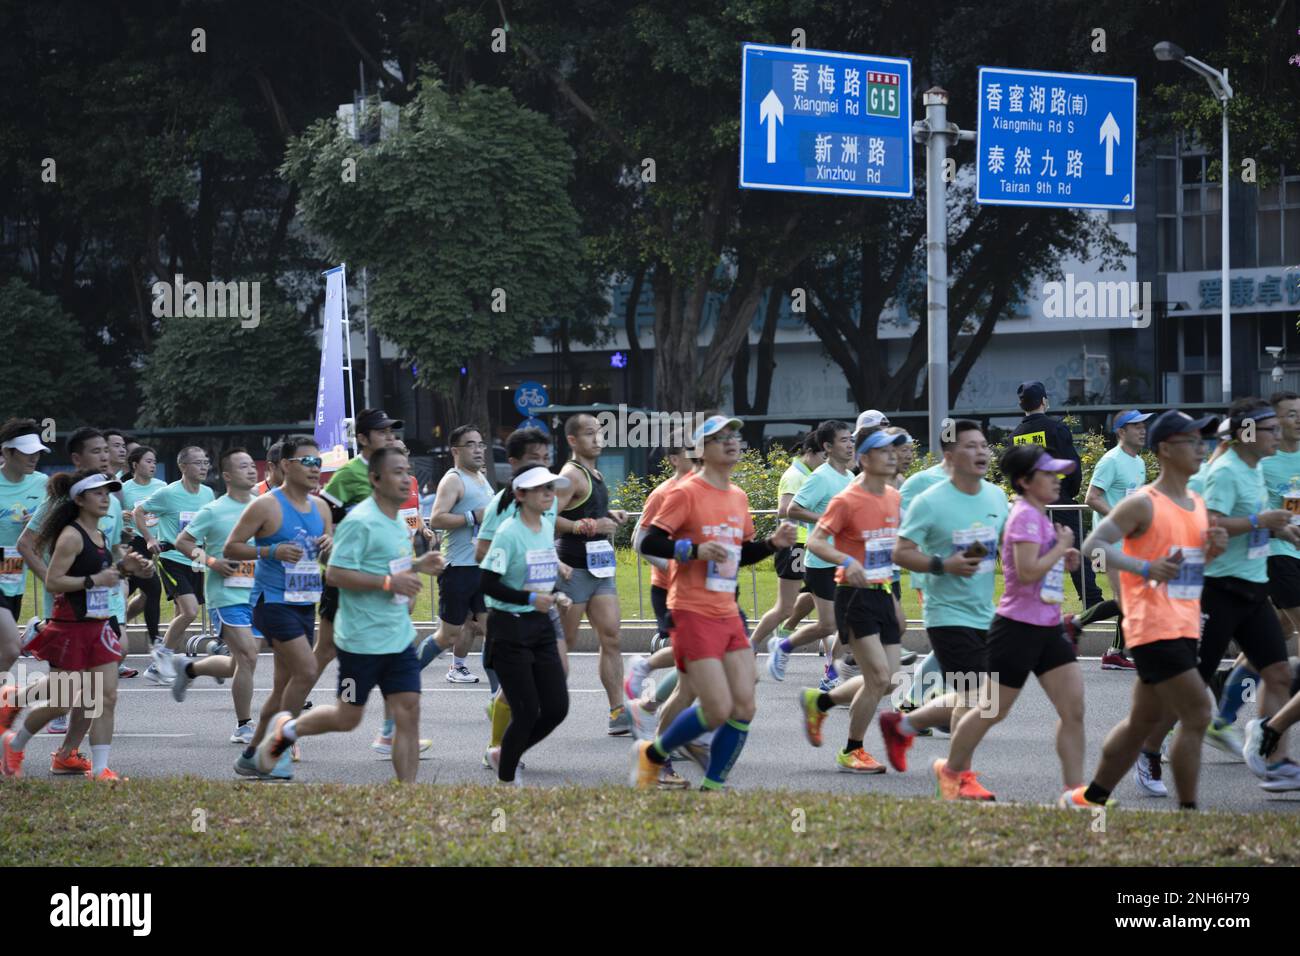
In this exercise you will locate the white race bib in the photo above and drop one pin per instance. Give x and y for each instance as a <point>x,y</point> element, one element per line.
<point>600,558</point>
<point>879,563</point>
<point>1191,576</point>
<point>97,602</point>
<point>722,577</point>
<point>150,519</point>
<point>1052,589</point>
<point>397,566</point>
<point>302,584</point>
<point>543,568</point>
<point>1131,490</point>
<point>412,518</point>
<point>243,576</point>
<point>963,538</point>
<point>1257,544</point>
<point>11,568</point>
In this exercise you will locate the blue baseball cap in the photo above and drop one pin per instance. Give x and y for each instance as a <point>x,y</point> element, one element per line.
<point>713,425</point>
<point>1173,422</point>
<point>1131,417</point>
<point>881,440</point>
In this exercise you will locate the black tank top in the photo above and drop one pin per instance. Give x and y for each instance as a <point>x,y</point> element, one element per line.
<point>90,560</point>
<point>572,548</point>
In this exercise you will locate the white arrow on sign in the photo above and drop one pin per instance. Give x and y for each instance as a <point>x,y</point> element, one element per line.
<point>771,111</point>
<point>1110,136</point>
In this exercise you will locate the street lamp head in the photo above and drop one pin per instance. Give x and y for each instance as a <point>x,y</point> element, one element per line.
<point>1164,50</point>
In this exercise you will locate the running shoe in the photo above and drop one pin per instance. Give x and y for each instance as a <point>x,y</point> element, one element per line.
<point>957,785</point>
<point>644,774</point>
<point>777,659</point>
<point>9,708</point>
<point>274,744</point>
<point>813,716</point>
<point>1146,774</point>
<point>670,779</point>
<point>645,723</point>
<point>427,651</point>
<point>106,776</point>
<point>859,761</point>
<point>282,772</point>
<point>1282,776</point>
<point>247,767</point>
<point>897,743</point>
<point>1075,800</point>
<point>1222,735</point>
<point>489,757</point>
<point>383,746</point>
<point>152,673</point>
<point>11,761</point>
<point>659,642</point>
<point>59,725</point>
<point>460,674</point>
<point>243,734</point>
<point>126,672</point>
<point>830,680</point>
<point>1115,661</point>
<point>1256,761</point>
<point>166,662</point>
<point>72,763</point>
<point>620,722</point>
<point>638,671</point>
<point>181,682</point>
<point>907,658</point>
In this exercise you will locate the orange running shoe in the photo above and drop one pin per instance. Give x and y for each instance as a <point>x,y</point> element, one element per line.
<point>107,776</point>
<point>645,772</point>
<point>8,706</point>
<point>11,761</point>
<point>859,761</point>
<point>958,785</point>
<point>897,743</point>
<point>1074,799</point>
<point>72,763</point>
<point>813,716</point>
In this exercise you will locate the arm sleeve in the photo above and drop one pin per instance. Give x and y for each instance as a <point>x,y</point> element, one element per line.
<point>656,543</point>
<point>752,552</point>
<point>493,587</point>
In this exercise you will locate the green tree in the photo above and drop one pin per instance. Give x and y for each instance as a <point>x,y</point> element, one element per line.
<point>213,371</point>
<point>48,371</point>
<point>464,216</point>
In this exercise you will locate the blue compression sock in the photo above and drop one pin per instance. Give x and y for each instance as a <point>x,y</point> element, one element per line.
<point>689,724</point>
<point>1234,691</point>
<point>727,744</point>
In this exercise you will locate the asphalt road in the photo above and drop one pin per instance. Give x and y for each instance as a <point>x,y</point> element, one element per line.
<point>157,736</point>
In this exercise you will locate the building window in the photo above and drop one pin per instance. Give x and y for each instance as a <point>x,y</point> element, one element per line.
<point>1278,220</point>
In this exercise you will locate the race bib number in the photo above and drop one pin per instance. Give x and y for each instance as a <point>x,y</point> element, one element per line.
<point>879,564</point>
<point>302,584</point>
<point>543,566</point>
<point>412,518</point>
<point>1191,576</point>
<point>600,558</point>
<point>1292,504</point>
<point>97,602</point>
<point>721,576</point>
<point>963,538</point>
<point>397,566</point>
<point>186,517</point>
<point>243,576</point>
<point>1257,544</point>
<point>11,568</point>
<point>1052,590</point>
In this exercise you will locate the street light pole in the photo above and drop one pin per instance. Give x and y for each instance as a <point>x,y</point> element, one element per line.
<point>1222,90</point>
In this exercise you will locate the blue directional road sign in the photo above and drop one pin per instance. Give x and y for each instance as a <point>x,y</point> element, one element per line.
<point>530,395</point>
<point>813,121</point>
<point>1056,139</point>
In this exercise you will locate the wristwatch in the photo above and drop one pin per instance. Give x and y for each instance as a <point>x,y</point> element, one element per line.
<point>936,564</point>
<point>88,582</point>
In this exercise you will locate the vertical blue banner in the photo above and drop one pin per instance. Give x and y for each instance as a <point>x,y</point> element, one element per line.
<point>331,428</point>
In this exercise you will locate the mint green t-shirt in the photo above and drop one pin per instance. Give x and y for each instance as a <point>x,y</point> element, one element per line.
<point>1118,474</point>
<point>791,481</point>
<point>111,525</point>
<point>915,484</point>
<point>815,494</point>
<point>372,622</point>
<point>944,521</point>
<point>132,494</point>
<point>1279,470</point>
<point>210,529</point>
<point>18,502</point>
<point>525,559</point>
<point>493,519</point>
<point>1235,489</point>
<point>175,508</point>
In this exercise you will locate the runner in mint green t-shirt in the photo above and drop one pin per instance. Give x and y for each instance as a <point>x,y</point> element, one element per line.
<point>145,594</point>
<point>22,489</point>
<point>373,565</point>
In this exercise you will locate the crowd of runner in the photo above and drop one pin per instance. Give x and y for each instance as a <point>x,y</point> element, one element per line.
<point>1201,556</point>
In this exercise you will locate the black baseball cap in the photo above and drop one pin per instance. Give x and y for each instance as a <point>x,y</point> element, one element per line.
<point>1031,394</point>
<point>372,419</point>
<point>1173,422</point>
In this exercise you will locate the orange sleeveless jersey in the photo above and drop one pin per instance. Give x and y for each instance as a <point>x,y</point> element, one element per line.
<point>1169,611</point>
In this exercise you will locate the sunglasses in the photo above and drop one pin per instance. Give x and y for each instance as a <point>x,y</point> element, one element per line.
<point>308,461</point>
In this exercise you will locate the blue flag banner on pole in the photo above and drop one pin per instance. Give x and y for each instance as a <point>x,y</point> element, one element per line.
<point>331,415</point>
